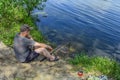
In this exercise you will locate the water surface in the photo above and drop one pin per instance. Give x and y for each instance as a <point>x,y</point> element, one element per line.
<point>93,23</point>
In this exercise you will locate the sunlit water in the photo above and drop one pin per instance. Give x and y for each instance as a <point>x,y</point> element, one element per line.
<point>93,23</point>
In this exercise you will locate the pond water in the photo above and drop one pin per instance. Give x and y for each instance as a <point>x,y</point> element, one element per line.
<point>92,24</point>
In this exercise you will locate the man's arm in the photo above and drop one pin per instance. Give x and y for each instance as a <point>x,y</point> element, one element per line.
<point>42,45</point>
<point>29,37</point>
<point>38,45</point>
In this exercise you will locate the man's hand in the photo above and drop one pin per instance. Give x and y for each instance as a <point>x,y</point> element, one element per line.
<point>49,48</point>
<point>29,37</point>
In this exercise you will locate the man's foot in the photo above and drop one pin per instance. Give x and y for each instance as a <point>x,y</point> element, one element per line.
<point>55,59</point>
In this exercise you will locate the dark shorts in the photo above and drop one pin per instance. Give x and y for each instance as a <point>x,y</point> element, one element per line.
<point>32,55</point>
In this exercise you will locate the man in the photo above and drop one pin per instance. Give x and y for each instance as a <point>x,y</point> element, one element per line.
<point>22,43</point>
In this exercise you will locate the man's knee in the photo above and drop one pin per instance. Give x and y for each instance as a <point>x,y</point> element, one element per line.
<point>40,50</point>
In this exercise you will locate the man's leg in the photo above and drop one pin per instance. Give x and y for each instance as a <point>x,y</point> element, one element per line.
<point>45,53</point>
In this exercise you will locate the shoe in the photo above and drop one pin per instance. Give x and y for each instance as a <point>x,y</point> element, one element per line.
<point>43,59</point>
<point>56,59</point>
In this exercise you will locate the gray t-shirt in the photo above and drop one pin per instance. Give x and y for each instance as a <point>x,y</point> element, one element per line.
<point>22,47</point>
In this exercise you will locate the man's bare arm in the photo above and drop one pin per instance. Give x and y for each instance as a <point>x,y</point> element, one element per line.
<point>38,45</point>
<point>42,45</point>
<point>29,37</point>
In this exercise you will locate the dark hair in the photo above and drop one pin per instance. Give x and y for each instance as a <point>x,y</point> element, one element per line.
<point>25,27</point>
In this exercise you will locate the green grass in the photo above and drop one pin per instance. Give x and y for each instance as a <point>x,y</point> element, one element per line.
<point>12,15</point>
<point>104,65</point>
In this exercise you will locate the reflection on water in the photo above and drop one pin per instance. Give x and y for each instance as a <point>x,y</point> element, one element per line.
<point>93,23</point>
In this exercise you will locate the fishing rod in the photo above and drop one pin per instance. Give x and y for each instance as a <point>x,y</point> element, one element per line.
<point>59,48</point>
<point>54,51</point>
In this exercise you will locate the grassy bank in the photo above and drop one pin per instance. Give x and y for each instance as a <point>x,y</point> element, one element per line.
<point>14,13</point>
<point>97,65</point>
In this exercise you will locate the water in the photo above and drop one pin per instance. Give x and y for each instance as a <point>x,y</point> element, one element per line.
<point>93,23</point>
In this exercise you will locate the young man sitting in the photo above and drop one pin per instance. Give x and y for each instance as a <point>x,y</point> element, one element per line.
<point>22,43</point>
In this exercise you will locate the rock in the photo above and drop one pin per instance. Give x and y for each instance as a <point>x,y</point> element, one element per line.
<point>29,78</point>
<point>2,45</point>
<point>68,66</point>
<point>11,69</point>
<point>4,50</point>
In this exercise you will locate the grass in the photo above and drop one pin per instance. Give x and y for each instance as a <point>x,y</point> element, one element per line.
<point>8,33</point>
<point>104,65</point>
<point>12,15</point>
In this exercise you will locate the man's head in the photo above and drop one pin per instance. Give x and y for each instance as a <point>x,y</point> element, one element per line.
<point>25,29</point>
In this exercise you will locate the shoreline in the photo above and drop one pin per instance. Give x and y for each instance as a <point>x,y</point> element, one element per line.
<point>12,17</point>
<point>65,68</point>
<point>9,26</point>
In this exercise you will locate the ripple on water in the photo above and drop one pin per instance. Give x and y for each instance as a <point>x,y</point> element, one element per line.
<point>83,21</point>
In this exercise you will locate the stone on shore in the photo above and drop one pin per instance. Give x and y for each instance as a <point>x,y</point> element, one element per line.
<point>11,69</point>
